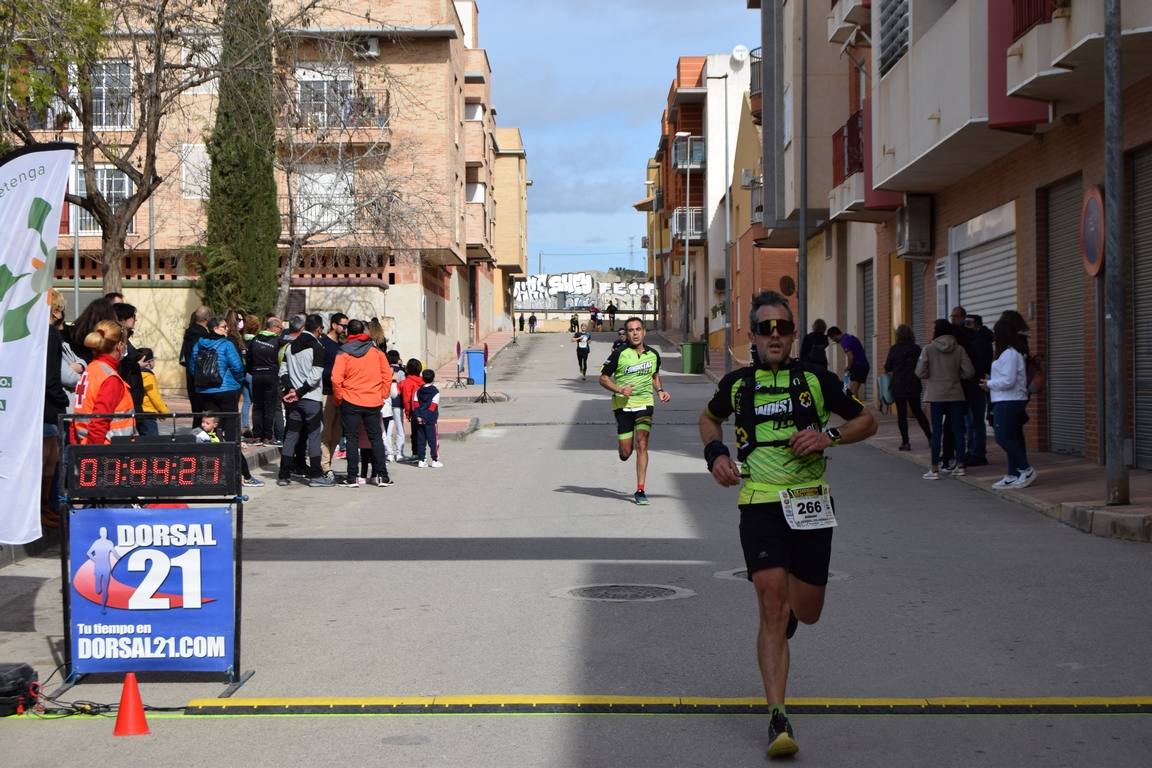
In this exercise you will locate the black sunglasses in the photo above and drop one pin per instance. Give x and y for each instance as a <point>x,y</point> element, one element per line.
<point>782,327</point>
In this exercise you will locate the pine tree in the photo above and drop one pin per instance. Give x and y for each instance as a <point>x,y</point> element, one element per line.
<point>241,256</point>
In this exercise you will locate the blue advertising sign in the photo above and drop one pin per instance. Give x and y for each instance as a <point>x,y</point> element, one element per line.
<point>152,589</point>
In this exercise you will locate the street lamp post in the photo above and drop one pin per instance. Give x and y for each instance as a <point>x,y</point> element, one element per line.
<point>727,234</point>
<point>685,280</point>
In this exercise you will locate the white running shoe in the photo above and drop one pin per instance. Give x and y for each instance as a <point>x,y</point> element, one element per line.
<point>1026,478</point>
<point>931,475</point>
<point>422,464</point>
<point>436,463</point>
<point>1004,482</point>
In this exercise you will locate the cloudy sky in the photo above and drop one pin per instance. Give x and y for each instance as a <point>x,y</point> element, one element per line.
<point>586,82</point>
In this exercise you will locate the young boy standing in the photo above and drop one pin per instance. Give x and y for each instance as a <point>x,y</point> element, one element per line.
<point>425,414</point>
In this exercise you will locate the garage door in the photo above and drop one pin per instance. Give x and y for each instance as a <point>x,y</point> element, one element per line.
<point>919,318</point>
<point>1142,260</point>
<point>1065,347</point>
<point>988,278</point>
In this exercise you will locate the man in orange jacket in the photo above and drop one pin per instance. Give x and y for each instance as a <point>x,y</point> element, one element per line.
<point>361,380</point>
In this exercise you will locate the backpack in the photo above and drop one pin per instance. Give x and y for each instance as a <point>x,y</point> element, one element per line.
<point>1034,373</point>
<point>207,369</point>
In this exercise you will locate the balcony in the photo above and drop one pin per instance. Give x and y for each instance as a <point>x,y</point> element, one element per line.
<point>680,149</point>
<point>758,201</point>
<point>846,16</point>
<point>848,149</point>
<point>688,223</point>
<point>755,87</point>
<point>475,143</point>
<point>477,232</point>
<point>336,108</point>
<point>329,216</point>
<point>1057,52</point>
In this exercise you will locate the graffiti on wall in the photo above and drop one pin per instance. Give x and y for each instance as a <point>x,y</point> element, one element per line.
<point>571,290</point>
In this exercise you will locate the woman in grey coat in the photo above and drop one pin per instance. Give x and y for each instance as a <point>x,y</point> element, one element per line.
<point>943,364</point>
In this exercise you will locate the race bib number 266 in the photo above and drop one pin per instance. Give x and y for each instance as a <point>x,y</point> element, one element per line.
<point>808,509</point>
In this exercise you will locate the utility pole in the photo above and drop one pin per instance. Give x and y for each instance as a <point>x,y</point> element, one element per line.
<point>802,265</point>
<point>1115,264</point>
<point>632,253</point>
<point>539,262</point>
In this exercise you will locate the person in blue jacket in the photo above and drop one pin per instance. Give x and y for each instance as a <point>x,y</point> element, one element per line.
<point>220,394</point>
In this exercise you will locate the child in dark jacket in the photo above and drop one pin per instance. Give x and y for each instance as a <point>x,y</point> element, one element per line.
<point>425,414</point>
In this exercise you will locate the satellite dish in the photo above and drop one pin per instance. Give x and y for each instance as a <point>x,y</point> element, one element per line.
<point>740,54</point>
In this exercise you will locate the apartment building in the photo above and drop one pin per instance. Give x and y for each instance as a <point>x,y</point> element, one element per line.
<point>988,115</point>
<point>510,237</point>
<point>386,163</point>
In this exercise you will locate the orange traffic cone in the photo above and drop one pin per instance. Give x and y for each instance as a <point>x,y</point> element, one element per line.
<point>130,720</point>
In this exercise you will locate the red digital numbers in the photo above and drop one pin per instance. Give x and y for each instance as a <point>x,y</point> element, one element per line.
<point>88,472</point>
<point>210,470</point>
<point>162,470</point>
<point>138,471</point>
<point>187,473</point>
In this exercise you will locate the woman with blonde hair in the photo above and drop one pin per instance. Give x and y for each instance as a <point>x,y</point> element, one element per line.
<point>102,390</point>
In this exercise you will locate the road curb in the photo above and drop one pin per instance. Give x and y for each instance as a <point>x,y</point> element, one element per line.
<point>473,425</point>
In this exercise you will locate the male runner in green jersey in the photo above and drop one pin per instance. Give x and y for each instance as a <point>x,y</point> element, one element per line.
<point>632,374</point>
<point>786,513</point>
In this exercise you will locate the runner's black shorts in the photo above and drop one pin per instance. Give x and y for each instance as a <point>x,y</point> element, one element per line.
<point>768,542</point>
<point>627,421</point>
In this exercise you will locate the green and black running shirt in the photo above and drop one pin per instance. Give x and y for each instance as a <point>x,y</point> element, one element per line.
<point>628,365</point>
<point>772,468</point>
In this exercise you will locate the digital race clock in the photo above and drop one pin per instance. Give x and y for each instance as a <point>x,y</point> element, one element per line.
<point>151,470</point>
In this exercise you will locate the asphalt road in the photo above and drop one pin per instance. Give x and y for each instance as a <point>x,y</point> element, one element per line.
<point>453,583</point>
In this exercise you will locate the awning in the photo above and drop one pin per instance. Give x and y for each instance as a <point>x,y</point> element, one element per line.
<point>645,204</point>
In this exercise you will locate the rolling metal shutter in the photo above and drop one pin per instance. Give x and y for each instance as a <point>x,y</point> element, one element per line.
<point>1065,348</point>
<point>1142,298</point>
<point>868,327</point>
<point>988,279</point>
<point>919,319</point>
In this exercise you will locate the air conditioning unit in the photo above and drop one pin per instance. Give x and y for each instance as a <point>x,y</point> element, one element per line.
<point>720,285</point>
<point>366,48</point>
<point>747,177</point>
<point>914,228</point>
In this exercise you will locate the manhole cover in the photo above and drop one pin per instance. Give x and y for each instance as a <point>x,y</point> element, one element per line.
<point>624,593</point>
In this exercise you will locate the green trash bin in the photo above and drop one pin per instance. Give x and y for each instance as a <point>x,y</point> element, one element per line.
<point>692,355</point>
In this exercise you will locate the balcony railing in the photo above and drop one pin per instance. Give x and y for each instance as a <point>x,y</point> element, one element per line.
<point>688,222</point>
<point>335,214</point>
<point>756,62</point>
<point>848,149</point>
<point>758,201</point>
<point>332,106</point>
<point>1029,13</point>
<point>680,151</point>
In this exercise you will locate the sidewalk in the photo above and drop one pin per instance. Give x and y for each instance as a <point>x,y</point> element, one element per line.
<point>1068,488</point>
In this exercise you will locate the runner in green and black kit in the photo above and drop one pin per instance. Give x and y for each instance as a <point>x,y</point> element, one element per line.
<point>583,341</point>
<point>781,407</point>
<point>632,374</point>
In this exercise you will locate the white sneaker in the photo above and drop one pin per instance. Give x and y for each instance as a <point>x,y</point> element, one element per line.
<point>1004,482</point>
<point>1026,478</point>
<point>435,463</point>
<point>422,464</point>
<point>931,475</point>
<point>959,471</point>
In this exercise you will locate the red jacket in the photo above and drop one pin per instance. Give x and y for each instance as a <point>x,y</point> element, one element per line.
<point>408,389</point>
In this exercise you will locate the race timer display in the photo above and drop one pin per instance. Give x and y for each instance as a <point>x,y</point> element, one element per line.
<point>151,470</point>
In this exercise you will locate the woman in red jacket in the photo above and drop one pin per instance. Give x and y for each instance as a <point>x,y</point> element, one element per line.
<point>101,390</point>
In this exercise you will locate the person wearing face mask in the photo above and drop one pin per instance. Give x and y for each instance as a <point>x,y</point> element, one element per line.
<point>781,408</point>
<point>102,390</point>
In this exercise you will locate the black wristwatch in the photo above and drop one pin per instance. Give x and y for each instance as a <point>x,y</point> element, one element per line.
<point>834,434</point>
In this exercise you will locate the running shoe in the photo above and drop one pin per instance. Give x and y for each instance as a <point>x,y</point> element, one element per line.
<point>640,497</point>
<point>381,482</point>
<point>422,464</point>
<point>793,622</point>
<point>324,481</point>
<point>361,481</point>
<point>436,463</point>
<point>253,482</point>
<point>1004,482</point>
<point>283,482</point>
<point>781,742</point>
<point>350,482</point>
<point>947,467</point>
<point>931,475</point>
<point>959,471</point>
<point>1026,478</point>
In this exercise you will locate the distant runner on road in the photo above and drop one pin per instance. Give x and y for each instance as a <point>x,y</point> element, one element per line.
<point>583,341</point>
<point>780,407</point>
<point>632,374</point>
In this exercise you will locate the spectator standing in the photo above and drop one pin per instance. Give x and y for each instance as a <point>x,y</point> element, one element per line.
<point>71,365</point>
<point>573,323</point>
<point>906,388</point>
<point>1007,386</point>
<point>330,437</point>
<point>943,364</point>
<point>521,321</point>
<point>1021,335</point>
<point>981,349</point>
<point>361,381</point>
<point>958,317</point>
<point>395,434</point>
<point>857,366</point>
<point>425,415</point>
<point>221,393</point>
<point>55,405</point>
<point>96,312</point>
<point>263,369</point>
<point>532,323</point>
<point>408,385</point>
<point>302,377</point>
<point>197,329</point>
<point>814,346</point>
<point>154,404</point>
<point>130,364</point>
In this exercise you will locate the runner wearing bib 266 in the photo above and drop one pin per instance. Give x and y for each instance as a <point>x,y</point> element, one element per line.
<point>632,374</point>
<point>786,512</point>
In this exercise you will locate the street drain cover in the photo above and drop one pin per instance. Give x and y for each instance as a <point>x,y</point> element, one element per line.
<point>625,593</point>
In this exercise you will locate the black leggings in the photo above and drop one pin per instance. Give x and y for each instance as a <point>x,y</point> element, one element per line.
<point>902,406</point>
<point>225,403</point>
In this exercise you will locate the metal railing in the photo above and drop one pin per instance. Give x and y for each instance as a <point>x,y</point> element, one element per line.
<point>755,59</point>
<point>848,149</point>
<point>688,222</point>
<point>758,201</point>
<point>1027,14</point>
<point>332,106</point>
<point>680,158</point>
